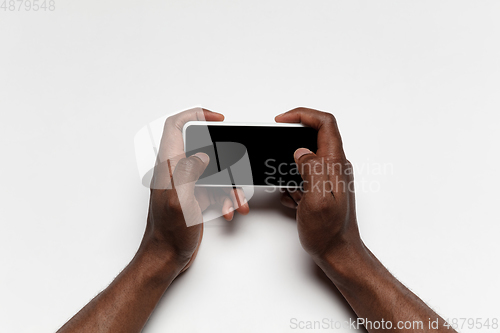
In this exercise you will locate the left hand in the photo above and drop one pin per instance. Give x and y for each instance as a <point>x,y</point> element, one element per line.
<point>174,207</point>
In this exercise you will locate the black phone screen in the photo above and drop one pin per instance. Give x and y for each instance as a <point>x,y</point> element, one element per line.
<point>249,155</point>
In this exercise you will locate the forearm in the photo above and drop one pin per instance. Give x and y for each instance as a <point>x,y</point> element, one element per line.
<point>127,303</point>
<point>376,295</point>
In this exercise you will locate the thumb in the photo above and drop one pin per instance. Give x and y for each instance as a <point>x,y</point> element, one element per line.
<point>188,171</point>
<point>310,167</point>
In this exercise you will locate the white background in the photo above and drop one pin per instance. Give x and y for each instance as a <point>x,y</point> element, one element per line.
<point>413,84</point>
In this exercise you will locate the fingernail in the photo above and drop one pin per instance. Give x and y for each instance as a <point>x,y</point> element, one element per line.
<point>301,152</point>
<point>217,113</point>
<point>280,115</point>
<point>203,157</point>
<point>220,114</point>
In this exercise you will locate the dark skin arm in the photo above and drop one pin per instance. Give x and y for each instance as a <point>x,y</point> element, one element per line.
<point>328,231</point>
<point>168,246</point>
<point>327,228</point>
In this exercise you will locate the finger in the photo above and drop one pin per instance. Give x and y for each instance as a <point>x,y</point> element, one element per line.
<point>295,194</point>
<point>228,199</point>
<point>239,201</point>
<point>172,144</point>
<point>227,209</point>
<point>221,198</point>
<point>238,198</point>
<point>329,139</point>
<point>287,201</point>
<point>312,170</point>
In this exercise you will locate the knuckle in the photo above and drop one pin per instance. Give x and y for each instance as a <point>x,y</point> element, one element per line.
<point>316,167</point>
<point>338,164</point>
<point>169,122</point>
<point>183,164</point>
<point>310,164</point>
<point>310,159</point>
<point>329,118</point>
<point>188,164</point>
<point>173,122</point>
<point>332,158</point>
<point>195,163</point>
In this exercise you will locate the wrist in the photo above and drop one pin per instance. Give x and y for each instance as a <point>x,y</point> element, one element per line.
<point>346,261</point>
<point>160,261</point>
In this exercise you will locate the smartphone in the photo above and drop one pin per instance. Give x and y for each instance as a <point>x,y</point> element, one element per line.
<point>249,154</point>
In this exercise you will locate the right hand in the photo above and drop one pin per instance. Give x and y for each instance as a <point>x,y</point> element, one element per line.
<point>326,214</point>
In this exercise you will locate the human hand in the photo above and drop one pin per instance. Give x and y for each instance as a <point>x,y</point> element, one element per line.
<point>326,215</point>
<point>176,203</point>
